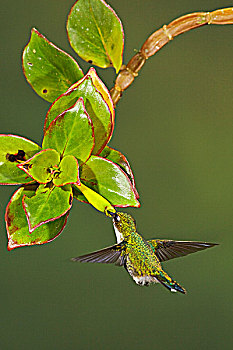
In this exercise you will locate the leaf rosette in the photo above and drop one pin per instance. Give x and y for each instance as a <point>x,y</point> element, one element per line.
<point>73,162</point>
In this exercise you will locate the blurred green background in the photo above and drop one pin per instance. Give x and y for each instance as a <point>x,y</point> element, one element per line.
<point>175,126</point>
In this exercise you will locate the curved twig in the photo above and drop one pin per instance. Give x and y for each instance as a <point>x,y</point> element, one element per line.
<point>160,38</point>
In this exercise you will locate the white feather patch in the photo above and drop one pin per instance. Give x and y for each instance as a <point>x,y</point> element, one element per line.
<point>118,234</point>
<point>145,280</point>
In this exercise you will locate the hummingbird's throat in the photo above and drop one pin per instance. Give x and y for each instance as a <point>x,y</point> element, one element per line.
<point>118,234</point>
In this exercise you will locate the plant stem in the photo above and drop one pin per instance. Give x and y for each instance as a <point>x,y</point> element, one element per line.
<point>160,38</point>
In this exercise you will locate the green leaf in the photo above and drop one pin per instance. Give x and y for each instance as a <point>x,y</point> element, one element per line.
<point>10,145</point>
<point>39,167</point>
<point>49,70</point>
<point>119,159</point>
<point>107,179</point>
<point>71,133</point>
<point>46,205</point>
<point>96,33</point>
<point>17,225</point>
<point>98,104</point>
<point>68,172</point>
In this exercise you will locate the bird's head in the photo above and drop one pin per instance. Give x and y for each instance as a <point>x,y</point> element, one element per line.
<point>124,223</point>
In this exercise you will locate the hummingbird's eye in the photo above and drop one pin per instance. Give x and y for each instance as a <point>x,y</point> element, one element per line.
<point>117,218</point>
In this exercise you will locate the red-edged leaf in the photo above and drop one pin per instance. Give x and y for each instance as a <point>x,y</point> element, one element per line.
<point>71,133</point>
<point>17,225</point>
<point>48,204</point>
<point>68,172</point>
<point>98,104</point>
<point>96,33</point>
<point>107,179</point>
<point>14,149</point>
<point>119,159</point>
<point>39,167</point>
<point>49,70</point>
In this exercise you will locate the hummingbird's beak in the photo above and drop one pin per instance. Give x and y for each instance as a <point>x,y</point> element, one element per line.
<point>112,214</point>
<point>109,212</point>
<point>115,216</point>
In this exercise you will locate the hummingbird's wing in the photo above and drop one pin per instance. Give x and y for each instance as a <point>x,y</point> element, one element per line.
<point>110,255</point>
<point>166,249</point>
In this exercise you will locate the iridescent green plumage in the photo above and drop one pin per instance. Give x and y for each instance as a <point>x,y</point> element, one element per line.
<point>141,258</point>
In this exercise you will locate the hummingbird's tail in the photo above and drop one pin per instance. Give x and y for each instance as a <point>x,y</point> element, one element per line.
<point>169,283</point>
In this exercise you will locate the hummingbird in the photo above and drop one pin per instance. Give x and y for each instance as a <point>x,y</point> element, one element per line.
<point>142,258</point>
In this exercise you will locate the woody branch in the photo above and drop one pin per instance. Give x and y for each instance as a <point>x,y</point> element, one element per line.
<point>160,38</point>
